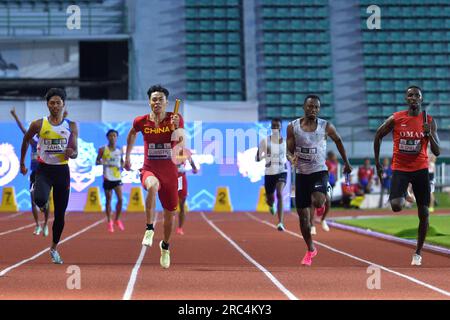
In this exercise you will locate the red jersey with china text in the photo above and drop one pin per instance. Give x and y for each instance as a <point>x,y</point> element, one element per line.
<point>410,143</point>
<point>158,144</point>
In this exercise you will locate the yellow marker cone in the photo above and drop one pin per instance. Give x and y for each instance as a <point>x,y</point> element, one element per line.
<point>9,203</point>
<point>93,200</point>
<point>51,203</point>
<point>223,202</point>
<point>262,206</point>
<point>136,202</point>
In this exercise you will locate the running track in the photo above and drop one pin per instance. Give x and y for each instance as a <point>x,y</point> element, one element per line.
<point>221,256</point>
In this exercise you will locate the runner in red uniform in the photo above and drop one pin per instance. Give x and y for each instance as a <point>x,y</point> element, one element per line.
<point>159,173</point>
<point>411,135</point>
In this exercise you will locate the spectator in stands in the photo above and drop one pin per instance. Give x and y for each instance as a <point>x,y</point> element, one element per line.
<point>365,176</point>
<point>386,180</point>
<point>332,165</point>
<point>350,192</point>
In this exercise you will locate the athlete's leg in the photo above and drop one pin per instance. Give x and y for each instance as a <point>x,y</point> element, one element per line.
<point>305,227</point>
<point>421,188</point>
<point>151,184</point>
<point>399,186</point>
<point>327,207</point>
<point>168,225</point>
<point>108,196</point>
<point>182,214</point>
<point>118,191</point>
<point>41,188</point>
<point>61,192</point>
<point>279,188</point>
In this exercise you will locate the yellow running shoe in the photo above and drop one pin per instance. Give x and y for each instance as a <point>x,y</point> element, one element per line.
<point>165,257</point>
<point>148,238</point>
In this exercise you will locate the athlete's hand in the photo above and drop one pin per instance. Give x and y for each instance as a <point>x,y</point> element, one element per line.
<point>293,159</point>
<point>347,168</point>
<point>195,171</point>
<point>68,153</point>
<point>379,171</point>
<point>127,164</point>
<point>176,120</point>
<point>426,129</point>
<point>23,169</point>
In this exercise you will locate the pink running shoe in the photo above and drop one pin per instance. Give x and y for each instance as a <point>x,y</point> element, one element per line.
<point>180,231</point>
<point>307,259</point>
<point>120,225</point>
<point>110,226</point>
<point>320,211</point>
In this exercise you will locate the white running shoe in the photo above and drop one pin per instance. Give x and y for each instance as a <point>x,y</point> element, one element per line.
<point>45,233</point>
<point>313,230</point>
<point>56,258</point>
<point>280,227</point>
<point>148,238</point>
<point>416,260</point>
<point>325,226</point>
<point>165,257</point>
<point>37,230</point>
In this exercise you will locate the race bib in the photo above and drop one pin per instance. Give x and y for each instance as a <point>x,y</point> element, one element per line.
<point>306,154</point>
<point>159,151</point>
<point>54,145</point>
<point>409,146</point>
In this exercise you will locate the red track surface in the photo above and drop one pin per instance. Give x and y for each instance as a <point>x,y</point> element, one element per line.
<point>206,266</point>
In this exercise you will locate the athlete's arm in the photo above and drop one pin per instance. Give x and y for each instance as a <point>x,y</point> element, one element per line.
<point>290,145</point>
<point>382,131</point>
<point>332,133</point>
<point>72,146</point>
<point>131,139</point>
<point>194,167</point>
<point>261,153</point>
<point>29,134</point>
<point>19,123</point>
<point>99,156</point>
<point>434,139</point>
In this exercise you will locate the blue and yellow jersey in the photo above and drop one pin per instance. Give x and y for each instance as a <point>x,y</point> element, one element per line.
<point>53,142</point>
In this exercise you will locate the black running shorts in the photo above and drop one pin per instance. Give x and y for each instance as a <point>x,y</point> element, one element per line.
<point>420,181</point>
<point>307,184</point>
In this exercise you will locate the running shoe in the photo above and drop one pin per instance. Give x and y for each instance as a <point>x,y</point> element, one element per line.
<point>325,226</point>
<point>37,230</point>
<point>120,225</point>
<point>110,226</point>
<point>180,231</point>
<point>165,257</point>
<point>416,260</point>
<point>313,230</point>
<point>148,238</point>
<point>307,259</point>
<point>431,209</point>
<point>45,233</point>
<point>56,258</point>
<point>280,227</point>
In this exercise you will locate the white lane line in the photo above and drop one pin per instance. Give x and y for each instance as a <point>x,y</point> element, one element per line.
<point>11,216</point>
<point>134,273</point>
<point>266,272</point>
<point>412,279</point>
<point>17,229</point>
<point>5,271</point>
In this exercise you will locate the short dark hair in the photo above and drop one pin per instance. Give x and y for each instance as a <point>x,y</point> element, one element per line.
<point>414,87</point>
<point>311,96</point>
<point>112,130</point>
<point>56,92</point>
<point>276,119</point>
<point>157,88</point>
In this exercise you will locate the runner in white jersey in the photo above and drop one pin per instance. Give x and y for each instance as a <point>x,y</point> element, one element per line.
<point>306,141</point>
<point>111,157</point>
<point>273,150</point>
